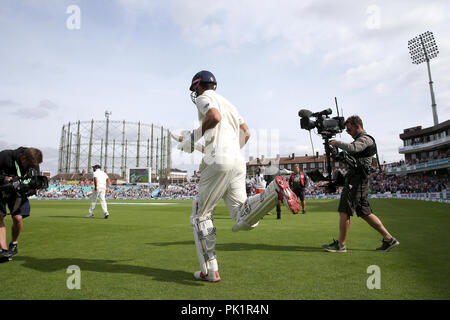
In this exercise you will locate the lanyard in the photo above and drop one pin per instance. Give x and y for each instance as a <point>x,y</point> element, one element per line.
<point>18,169</point>
<point>20,174</point>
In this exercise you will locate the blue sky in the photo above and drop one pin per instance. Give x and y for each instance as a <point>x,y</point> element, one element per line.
<point>271,58</point>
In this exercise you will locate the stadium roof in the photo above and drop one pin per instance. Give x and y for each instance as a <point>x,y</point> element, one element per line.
<point>420,132</point>
<point>79,176</point>
<point>287,160</point>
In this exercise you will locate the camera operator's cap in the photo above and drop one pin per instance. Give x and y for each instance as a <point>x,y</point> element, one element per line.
<point>97,166</point>
<point>202,76</point>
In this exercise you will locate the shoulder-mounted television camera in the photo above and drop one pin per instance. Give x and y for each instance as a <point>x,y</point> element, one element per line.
<point>22,187</point>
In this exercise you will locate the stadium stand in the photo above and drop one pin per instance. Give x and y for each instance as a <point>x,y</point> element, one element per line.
<point>423,174</point>
<point>60,190</point>
<point>381,183</point>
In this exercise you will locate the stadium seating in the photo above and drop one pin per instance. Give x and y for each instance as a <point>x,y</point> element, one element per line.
<point>381,183</point>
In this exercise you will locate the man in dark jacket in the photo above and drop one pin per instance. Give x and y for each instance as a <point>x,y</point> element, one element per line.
<point>15,163</point>
<point>298,182</point>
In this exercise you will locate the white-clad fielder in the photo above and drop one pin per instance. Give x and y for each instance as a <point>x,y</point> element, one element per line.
<point>101,183</point>
<point>223,173</point>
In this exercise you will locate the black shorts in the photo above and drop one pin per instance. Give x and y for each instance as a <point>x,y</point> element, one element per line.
<point>23,210</point>
<point>300,193</point>
<point>354,196</point>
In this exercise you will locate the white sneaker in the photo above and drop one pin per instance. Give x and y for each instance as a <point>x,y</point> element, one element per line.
<point>213,276</point>
<point>106,215</point>
<point>90,215</point>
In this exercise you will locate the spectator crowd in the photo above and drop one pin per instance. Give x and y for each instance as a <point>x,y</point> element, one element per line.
<point>402,163</point>
<point>417,183</point>
<point>58,190</point>
<point>379,183</point>
<point>179,191</point>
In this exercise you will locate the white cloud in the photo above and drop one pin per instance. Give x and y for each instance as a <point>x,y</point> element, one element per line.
<point>138,5</point>
<point>7,145</point>
<point>47,104</point>
<point>236,23</point>
<point>43,110</point>
<point>363,75</point>
<point>309,50</point>
<point>8,103</point>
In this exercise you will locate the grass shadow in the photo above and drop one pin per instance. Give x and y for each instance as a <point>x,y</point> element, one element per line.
<point>71,217</point>
<point>109,266</point>
<point>244,246</point>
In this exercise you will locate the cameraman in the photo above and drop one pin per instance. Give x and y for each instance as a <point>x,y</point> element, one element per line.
<point>15,163</point>
<point>356,187</point>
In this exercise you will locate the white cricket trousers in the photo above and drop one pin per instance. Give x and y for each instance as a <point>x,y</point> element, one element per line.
<point>98,194</point>
<point>217,181</point>
<point>222,181</point>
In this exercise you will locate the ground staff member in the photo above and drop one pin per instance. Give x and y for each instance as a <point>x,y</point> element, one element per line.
<point>356,188</point>
<point>15,163</point>
<point>298,182</point>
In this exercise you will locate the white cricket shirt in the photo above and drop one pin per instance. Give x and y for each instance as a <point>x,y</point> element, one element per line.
<point>101,179</point>
<point>222,141</point>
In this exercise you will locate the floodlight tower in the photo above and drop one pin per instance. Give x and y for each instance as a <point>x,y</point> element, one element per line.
<point>107,114</point>
<point>423,48</point>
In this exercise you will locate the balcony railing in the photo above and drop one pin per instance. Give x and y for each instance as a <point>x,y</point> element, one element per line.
<point>430,165</point>
<point>425,146</point>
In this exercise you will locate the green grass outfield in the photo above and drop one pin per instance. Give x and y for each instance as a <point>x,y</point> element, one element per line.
<point>147,252</point>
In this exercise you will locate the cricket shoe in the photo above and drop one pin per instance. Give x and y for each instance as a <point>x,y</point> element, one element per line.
<point>106,215</point>
<point>12,248</point>
<point>388,244</point>
<point>90,215</point>
<point>213,276</point>
<point>5,256</point>
<point>334,247</point>
<point>285,193</point>
<point>243,226</point>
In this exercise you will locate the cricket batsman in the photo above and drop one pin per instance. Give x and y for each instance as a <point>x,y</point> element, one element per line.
<point>223,172</point>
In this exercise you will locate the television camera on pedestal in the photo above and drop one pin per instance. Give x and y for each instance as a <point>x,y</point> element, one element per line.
<point>327,127</point>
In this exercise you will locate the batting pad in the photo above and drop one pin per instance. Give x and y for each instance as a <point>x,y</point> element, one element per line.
<point>256,207</point>
<point>205,240</point>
